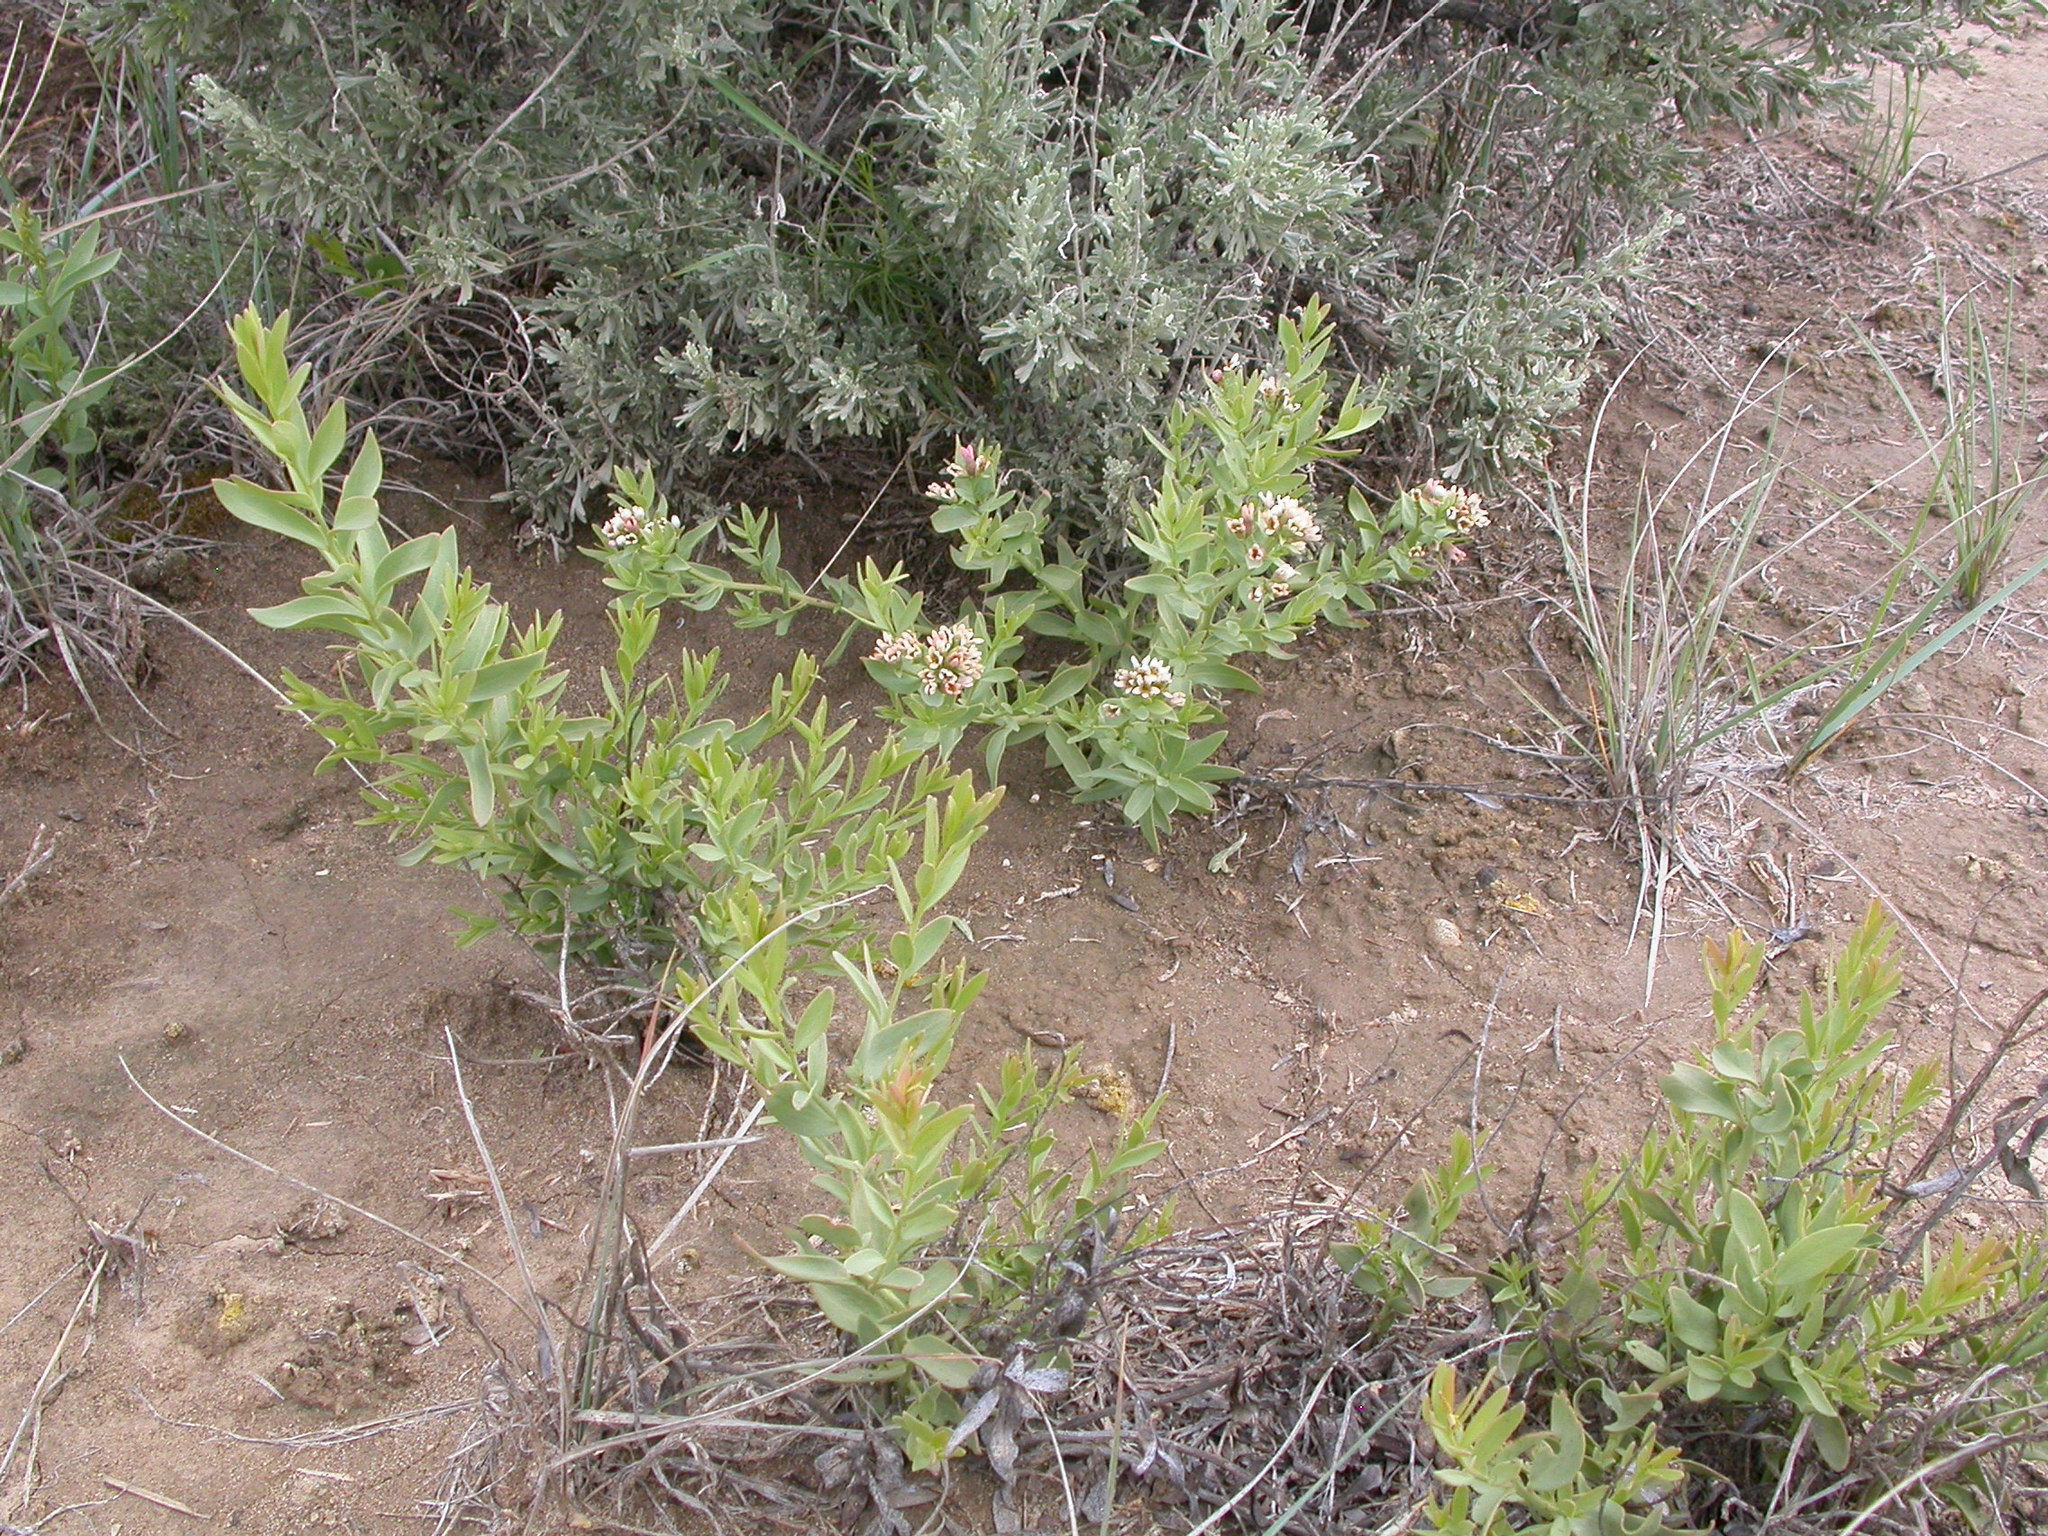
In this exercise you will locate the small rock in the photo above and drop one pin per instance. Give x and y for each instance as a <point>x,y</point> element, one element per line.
<point>1915,699</point>
<point>13,1050</point>
<point>173,1032</point>
<point>1444,934</point>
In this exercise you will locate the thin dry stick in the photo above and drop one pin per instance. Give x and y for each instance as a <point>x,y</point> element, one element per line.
<point>1301,1422</point>
<point>1479,1062</point>
<point>174,615</point>
<point>1982,759</point>
<point>859,522</point>
<point>608,1232</point>
<point>1960,1107</point>
<point>655,1427</point>
<point>150,1496</point>
<point>1367,71</point>
<point>47,1387</point>
<point>1957,1189</point>
<point>35,1301</point>
<point>1935,1468</point>
<point>732,1144</point>
<point>319,1439</point>
<point>1166,1067</point>
<point>39,854</point>
<point>694,1146</point>
<point>27,114</point>
<point>33,1413</point>
<point>1060,1464</point>
<point>665,1043</point>
<point>612,1418</point>
<point>483,1150</point>
<point>598,167</point>
<point>1975,181</point>
<point>88,213</point>
<point>651,1427</point>
<point>519,111</point>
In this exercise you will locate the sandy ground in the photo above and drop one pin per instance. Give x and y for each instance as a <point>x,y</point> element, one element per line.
<point>216,932</point>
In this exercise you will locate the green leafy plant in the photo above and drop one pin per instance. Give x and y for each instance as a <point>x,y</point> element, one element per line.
<point>724,864</point>
<point>1232,557</point>
<point>1749,1294</point>
<point>618,835</point>
<point>1404,1265</point>
<point>1756,1290</point>
<point>1887,153</point>
<point>1559,1480</point>
<point>1748,1266</point>
<point>79,445</point>
<point>47,395</point>
<point>952,1229</point>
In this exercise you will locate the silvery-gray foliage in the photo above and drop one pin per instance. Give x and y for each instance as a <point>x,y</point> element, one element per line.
<point>732,222</point>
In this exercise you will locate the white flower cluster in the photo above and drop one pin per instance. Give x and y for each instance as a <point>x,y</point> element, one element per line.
<point>966,460</point>
<point>1276,393</point>
<point>628,526</point>
<point>1149,678</point>
<point>1279,587</point>
<point>948,660</point>
<point>1467,513</point>
<point>1278,526</point>
<point>1282,519</point>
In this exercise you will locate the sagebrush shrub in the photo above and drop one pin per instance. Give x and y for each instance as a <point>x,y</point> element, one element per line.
<point>762,221</point>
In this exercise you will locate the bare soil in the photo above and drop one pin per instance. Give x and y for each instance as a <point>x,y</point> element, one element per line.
<point>1326,982</point>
